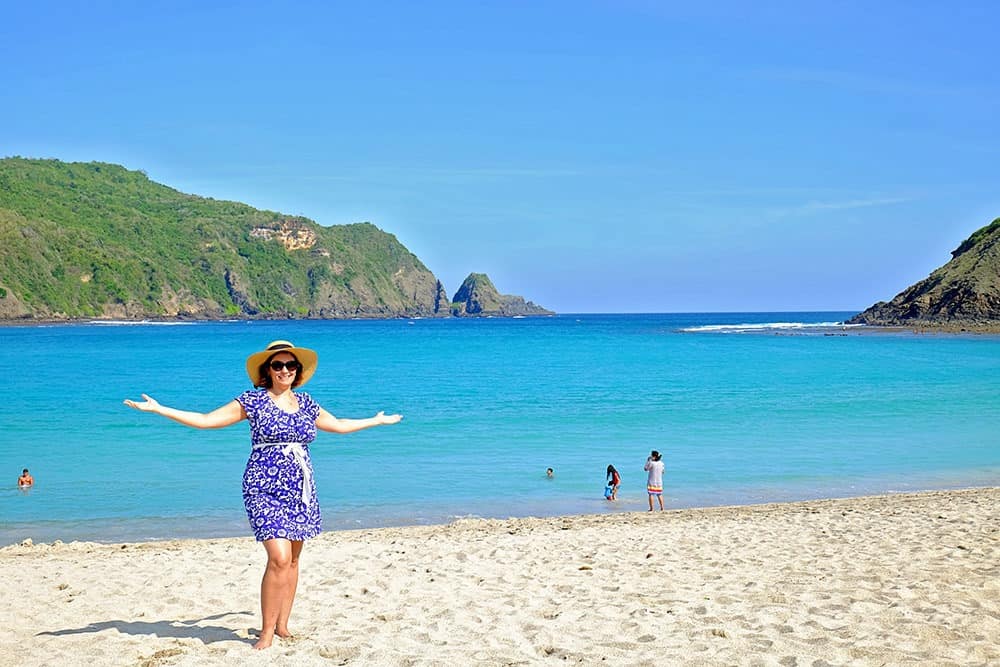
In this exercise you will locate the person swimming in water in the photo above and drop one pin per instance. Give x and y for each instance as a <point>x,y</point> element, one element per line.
<point>25,480</point>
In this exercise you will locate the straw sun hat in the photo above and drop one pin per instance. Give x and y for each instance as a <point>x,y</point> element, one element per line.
<point>308,358</point>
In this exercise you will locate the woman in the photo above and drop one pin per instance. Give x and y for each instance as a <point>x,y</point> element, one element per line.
<point>279,493</point>
<point>654,478</point>
<point>614,481</point>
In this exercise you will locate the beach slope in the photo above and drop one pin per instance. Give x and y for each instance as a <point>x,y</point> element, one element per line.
<point>896,579</point>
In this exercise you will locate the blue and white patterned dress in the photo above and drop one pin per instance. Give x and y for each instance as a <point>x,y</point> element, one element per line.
<point>273,480</point>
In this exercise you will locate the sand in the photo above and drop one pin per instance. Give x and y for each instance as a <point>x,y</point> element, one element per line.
<point>898,579</point>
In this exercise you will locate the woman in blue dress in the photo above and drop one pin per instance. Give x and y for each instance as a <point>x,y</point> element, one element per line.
<point>279,493</point>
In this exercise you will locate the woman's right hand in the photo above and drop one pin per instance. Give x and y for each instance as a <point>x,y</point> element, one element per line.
<point>148,404</point>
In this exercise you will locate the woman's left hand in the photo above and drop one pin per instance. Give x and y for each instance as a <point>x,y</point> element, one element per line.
<point>385,419</point>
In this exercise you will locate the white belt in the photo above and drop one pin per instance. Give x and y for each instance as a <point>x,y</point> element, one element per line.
<point>297,452</point>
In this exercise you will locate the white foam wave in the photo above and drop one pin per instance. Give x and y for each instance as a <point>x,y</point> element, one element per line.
<point>137,323</point>
<point>767,326</point>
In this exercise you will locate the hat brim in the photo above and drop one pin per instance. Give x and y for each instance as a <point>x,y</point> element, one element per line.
<point>308,358</point>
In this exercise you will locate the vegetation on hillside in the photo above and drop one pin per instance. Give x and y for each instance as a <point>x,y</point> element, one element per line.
<point>97,240</point>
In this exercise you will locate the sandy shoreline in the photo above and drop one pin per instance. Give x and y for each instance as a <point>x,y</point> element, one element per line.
<point>909,578</point>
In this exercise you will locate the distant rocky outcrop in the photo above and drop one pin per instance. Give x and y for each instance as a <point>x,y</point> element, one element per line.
<point>478,297</point>
<point>962,294</point>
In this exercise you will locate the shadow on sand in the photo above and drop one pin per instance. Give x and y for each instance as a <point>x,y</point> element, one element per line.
<point>208,634</point>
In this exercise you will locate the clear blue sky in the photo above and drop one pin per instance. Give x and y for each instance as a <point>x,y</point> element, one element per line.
<point>626,156</point>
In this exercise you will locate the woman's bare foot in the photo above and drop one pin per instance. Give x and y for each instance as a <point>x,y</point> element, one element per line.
<point>284,633</point>
<point>264,641</point>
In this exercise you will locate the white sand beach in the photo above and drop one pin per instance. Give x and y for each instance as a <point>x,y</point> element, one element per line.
<point>899,579</point>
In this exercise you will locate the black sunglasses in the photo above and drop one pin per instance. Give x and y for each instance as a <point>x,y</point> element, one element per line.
<point>290,365</point>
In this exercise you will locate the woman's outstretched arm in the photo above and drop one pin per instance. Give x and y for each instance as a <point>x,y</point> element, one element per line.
<point>228,414</point>
<point>327,422</point>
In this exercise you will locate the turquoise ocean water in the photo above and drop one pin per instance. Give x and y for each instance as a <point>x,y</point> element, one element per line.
<point>745,407</point>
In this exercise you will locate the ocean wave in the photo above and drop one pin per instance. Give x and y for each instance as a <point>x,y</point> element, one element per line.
<point>768,326</point>
<point>137,323</point>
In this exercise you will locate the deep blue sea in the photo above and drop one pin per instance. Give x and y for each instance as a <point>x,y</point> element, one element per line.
<point>746,408</point>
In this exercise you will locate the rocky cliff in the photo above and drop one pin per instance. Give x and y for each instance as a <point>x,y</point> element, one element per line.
<point>962,294</point>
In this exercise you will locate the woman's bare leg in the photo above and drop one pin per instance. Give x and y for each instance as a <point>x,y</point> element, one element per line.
<point>273,588</point>
<point>281,627</point>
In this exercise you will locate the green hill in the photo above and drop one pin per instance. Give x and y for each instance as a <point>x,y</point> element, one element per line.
<point>962,294</point>
<point>95,240</point>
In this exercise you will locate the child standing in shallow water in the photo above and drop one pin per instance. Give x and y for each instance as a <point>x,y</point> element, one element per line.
<point>614,481</point>
<point>654,478</point>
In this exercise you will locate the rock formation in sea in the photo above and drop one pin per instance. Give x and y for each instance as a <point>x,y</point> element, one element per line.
<point>478,297</point>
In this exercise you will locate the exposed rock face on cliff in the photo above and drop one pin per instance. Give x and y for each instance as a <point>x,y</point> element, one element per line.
<point>964,293</point>
<point>478,297</point>
<point>95,240</point>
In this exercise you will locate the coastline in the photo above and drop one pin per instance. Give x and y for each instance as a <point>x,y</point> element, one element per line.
<point>877,579</point>
<point>944,328</point>
<point>269,318</point>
